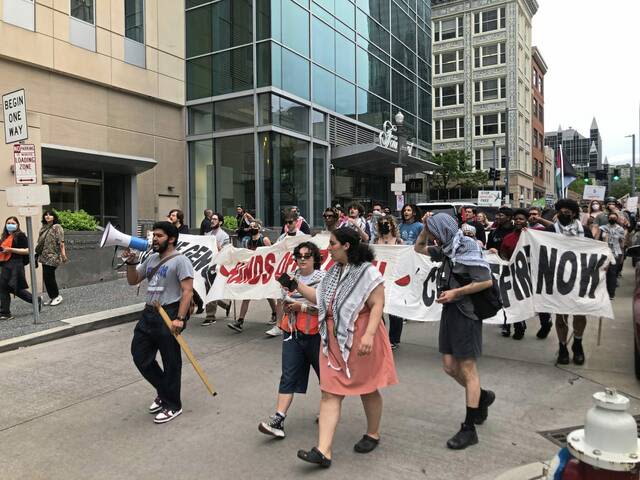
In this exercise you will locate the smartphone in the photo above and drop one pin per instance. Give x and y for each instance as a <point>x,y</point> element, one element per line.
<point>286,281</point>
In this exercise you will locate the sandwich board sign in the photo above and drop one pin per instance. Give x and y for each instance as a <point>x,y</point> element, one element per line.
<point>14,109</point>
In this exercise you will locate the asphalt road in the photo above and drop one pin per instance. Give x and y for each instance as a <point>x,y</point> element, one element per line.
<point>76,408</point>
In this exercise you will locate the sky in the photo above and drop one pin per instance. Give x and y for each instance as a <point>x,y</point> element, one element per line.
<point>592,50</point>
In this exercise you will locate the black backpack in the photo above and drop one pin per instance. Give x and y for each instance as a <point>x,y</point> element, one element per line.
<point>486,303</point>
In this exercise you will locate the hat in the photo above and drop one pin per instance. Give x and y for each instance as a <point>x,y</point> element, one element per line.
<point>466,228</point>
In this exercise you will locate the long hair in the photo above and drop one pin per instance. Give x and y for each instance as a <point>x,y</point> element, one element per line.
<point>358,251</point>
<point>5,232</point>
<point>52,213</point>
<point>414,208</point>
<point>313,250</point>
<point>393,225</point>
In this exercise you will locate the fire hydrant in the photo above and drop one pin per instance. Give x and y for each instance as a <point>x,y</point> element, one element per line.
<point>607,448</point>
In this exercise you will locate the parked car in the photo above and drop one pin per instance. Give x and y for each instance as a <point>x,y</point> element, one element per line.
<point>634,252</point>
<point>452,208</point>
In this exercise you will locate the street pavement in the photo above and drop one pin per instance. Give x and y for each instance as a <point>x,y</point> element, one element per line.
<point>75,408</point>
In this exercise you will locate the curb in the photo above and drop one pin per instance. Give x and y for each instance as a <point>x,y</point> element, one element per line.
<point>75,326</point>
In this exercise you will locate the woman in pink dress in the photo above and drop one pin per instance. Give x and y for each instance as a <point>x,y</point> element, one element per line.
<point>356,357</point>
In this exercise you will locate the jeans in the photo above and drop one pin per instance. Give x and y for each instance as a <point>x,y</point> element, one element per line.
<point>612,277</point>
<point>150,336</point>
<point>49,277</point>
<point>395,329</point>
<point>5,299</point>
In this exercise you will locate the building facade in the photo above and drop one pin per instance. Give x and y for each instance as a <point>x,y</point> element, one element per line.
<point>584,153</point>
<point>286,100</point>
<point>104,85</point>
<point>482,86</point>
<point>538,71</point>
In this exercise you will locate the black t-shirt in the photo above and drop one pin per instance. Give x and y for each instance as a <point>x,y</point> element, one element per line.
<point>496,236</point>
<point>205,226</point>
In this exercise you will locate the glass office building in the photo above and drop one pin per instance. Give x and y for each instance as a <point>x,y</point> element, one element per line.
<point>286,98</point>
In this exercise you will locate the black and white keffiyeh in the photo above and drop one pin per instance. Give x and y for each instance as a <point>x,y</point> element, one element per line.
<point>347,293</point>
<point>574,229</point>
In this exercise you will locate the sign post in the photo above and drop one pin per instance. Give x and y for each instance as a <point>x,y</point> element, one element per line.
<point>489,198</point>
<point>14,108</point>
<point>28,199</point>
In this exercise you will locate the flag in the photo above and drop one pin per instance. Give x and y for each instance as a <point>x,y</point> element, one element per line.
<point>565,173</point>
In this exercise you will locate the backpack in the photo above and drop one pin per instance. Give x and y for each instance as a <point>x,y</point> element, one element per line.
<point>486,303</point>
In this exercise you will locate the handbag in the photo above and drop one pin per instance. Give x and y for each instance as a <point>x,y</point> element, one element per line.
<point>486,303</point>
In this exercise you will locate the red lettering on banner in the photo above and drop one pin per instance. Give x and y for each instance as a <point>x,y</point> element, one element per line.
<point>283,265</point>
<point>269,261</point>
<point>382,266</point>
<point>257,270</point>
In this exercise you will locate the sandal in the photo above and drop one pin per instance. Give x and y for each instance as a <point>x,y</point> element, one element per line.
<point>366,444</point>
<point>314,456</point>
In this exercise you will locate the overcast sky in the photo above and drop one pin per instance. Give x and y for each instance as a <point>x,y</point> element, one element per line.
<point>592,49</point>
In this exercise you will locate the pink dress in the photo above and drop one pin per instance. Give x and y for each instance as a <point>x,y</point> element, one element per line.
<point>368,372</point>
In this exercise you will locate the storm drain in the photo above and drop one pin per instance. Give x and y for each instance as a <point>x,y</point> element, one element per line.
<point>559,436</point>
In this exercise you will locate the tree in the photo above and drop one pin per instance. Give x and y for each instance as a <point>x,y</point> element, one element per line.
<point>619,188</point>
<point>455,171</point>
<point>577,185</point>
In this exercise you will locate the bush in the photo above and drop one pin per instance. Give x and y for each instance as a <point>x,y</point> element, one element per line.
<point>230,223</point>
<point>77,221</point>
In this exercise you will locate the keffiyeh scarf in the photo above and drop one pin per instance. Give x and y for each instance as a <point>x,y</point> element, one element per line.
<point>574,229</point>
<point>455,245</point>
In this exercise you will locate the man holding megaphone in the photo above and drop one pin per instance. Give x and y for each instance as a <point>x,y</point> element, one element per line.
<point>170,283</point>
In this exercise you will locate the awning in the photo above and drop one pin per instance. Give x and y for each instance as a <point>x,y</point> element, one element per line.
<point>84,159</point>
<point>373,158</point>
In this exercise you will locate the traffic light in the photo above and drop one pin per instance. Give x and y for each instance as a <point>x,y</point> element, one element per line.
<point>616,174</point>
<point>586,178</point>
<point>497,175</point>
<point>492,173</point>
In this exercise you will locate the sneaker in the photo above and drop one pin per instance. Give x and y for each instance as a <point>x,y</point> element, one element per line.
<point>273,320</point>
<point>563,355</point>
<point>394,346</point>
<point>46,303</point>
<point>506,330</point>
<point>466,437</point>
<point>485,402</point>
<point>578,352</point>
<point>518,330</point>
<point>6,316</point>
<point>237,325</point>
<point>56,301</point>
<point>166,415</point>
<point>274,427</point>
<point>208,321</point>
<point>156,406</point>
<point>274,331</point>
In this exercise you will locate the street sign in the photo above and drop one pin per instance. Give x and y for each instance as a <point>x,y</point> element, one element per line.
<point>593,192</point>
<point>399,202</point>
<point>489,198</point>
<point>414,185</point>
<point>14,108</point>
<point>398,187</point>
<point>24,163</point>
<point>28,196</point>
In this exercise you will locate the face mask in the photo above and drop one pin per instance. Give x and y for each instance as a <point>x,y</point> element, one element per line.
<point>254,231</point>
<point>595,207</point>
<point>564,219</point>
<point>385,228</point>
<point>11,227</point>
<point>612,221</point>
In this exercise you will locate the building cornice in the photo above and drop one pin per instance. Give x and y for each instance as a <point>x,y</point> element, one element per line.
<point>537,57</point>
<point>464,5</point>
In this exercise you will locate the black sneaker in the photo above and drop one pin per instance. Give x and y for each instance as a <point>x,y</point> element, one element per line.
<point>166,415</point>
<point>563,355</point>
<point>506,331</point>
<point>208,321</point>
<point>274,427</point>
<point>578,352</point>
<point>6,316</point>
<point>466,437</point>
<point>237,325</point>
<point>545,328</point>
<point>518,330</point>
<point>485,402</point>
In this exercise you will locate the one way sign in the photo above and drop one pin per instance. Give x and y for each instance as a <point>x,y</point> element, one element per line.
<point>14,107</point>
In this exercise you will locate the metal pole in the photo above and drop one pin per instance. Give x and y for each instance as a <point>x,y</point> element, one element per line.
<point>506,157</point>
<point>633,165</point>
<point>32,268</point>
<point>495,164</point>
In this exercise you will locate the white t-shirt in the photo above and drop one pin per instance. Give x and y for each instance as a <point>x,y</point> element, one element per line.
<point>222,237</point>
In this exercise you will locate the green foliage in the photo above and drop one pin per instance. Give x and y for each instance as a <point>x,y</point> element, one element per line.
<point>456,171</point>
<point>619,188</point>
<point>77,221</point>
<point>230,223</point>
<point>577,185</point>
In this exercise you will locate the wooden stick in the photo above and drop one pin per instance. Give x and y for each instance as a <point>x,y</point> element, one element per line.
<point>599,330</point>
<point>187,351</point>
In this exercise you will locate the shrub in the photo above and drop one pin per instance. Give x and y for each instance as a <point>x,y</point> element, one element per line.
<point>230,223</point>
<point>79,220</point>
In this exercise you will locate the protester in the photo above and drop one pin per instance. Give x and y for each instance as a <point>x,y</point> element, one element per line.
<point>356,221</point>
<point>537,222</point>
<point>410,227</point>
<point>470,215</point>
<point>376,213</point>
<point>356,356</point>
<point>291,227</point>
<point>205,225</point>
<point>170,283</point>
<point>386,210</point>
<point>502,225</point>
<point>589,219</point>
<point>50,252</point>
<point>301,341</point>
<point>460,337</point>
<point>481,218</point>
<point>243,219</point>
<point>177,218</point>
<point>331,217</point>
<point>255,240</point>
<point>222,240</point>
<point>567,224</point>
<point>614,235</point>
<point>387,233</point>
<point>14,255</point>
<point>470,231</point>
<point>301,224</point>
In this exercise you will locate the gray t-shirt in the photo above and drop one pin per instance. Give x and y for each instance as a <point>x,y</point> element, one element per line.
<point>222,237</point>
<point>164,286</point>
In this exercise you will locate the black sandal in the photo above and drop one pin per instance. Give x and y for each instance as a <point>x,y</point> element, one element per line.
<point>314,456</point>
<point>366,444</point>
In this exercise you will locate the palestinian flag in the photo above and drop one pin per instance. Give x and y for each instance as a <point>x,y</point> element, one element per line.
<point>565,173</point>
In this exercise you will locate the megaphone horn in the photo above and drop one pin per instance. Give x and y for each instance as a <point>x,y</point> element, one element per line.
<point>113,237</point>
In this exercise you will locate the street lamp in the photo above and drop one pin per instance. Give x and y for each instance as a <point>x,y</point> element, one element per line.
<point>633,163</point>
<point>399,119</point>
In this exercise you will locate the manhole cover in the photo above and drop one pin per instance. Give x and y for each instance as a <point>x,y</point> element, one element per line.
<point>559,436</point>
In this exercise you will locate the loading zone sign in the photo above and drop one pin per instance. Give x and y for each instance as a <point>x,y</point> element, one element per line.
<point>24,162</point>
<point>14,107</point>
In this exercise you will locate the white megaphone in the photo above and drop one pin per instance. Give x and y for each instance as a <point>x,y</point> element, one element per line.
<point>113,237</point>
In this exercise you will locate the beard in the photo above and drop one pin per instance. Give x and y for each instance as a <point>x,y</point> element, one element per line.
<point>161,247</point>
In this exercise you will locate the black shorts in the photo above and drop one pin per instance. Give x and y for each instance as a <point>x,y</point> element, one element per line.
<point>460,335</point>
<point>300,353</point>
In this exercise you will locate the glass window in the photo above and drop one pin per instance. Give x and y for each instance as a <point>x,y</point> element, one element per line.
<point>373,74</point>
<point>424,134</point>
<point>424,45</point>
<point>296,33</point>
<point>199,32</point>
<point>345,11</point>
<point>424,105</point>
<point>201,119</point>
<point>376,9</point>
<point>233,71</point>
<point>320,200</point>
<point>403,55</point>
<point>489,55</point>
<point>371,31</point>
<point>346,58</point>
<point>450,128</point>
<point>268,18</point>
<point>449,62</point>
<point>492,89</point>
<point>284,163</point>
<point>323,44</point>
<point>201,176</point>
<point>233,113</point>
<point>490,124</point>
<point>404,93</point>
<point>319,125</point>
<point>235,173</point>
<point>489,21</point>
<point>403,28</point>
<point>83,10</point>
<point>134,20</point>
<point>269,57</point>
<point>295,74</point>
<point>372,110</point>
<point>345,98</point>
<point>279,111</point>
<point>232,24</point>
<point>195,3</point>
<point>199,78</point>
<point>324,91</point>
<point>328,5</point>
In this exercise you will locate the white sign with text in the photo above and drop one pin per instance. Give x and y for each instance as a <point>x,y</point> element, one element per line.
<point>24,163</point>
<point>14,108</point>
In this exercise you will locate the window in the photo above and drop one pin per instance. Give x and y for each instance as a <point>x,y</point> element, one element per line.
<point>489,21</point>
<point>403,27</point>
<point>201,119</point>
<point>134,20</point>
<point>404,92</point>
<point>535,108</point>
<point>83,10</point>
<point>449,62</point>
<point>449,95</point>
<point>235,173</point>
<point>324,90</point>
<point>218,26</point>
<point>447,29</point>
<point>319,120</point>
<point>449,129</point>
<point>372,110</point>
<point>295,31</point>
<point>323,44</point>
<point>490,55</point>
<point>376,9</point>
<point>483,159</point>
<point>282,112</point>
<point>319,182</point>
<point>233,113</point>
<point>490,124</point>
<point>373,74</point>
<point>493,89</point>
<point>541,113</point>
<point>535,139</point>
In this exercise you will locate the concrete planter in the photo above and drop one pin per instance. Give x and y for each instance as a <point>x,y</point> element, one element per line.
<point>88,263</point>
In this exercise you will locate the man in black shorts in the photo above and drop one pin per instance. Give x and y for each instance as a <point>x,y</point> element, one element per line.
<point>460,338</point>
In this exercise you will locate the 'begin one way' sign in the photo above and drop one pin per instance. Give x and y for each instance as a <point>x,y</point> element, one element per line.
<point>14,107</point>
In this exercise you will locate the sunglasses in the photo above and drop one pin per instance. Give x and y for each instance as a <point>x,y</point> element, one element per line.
<point>305,256</point>
<point>329,216</point>
<point>291,222</point>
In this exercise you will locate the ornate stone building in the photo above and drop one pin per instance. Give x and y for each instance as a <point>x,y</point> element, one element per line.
<point>538,71</point>
<point>482,86</point>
